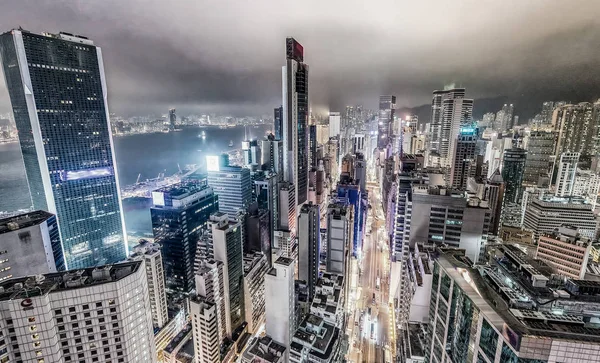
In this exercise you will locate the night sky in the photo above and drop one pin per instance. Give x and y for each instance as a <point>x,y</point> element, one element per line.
<point>226,56</point>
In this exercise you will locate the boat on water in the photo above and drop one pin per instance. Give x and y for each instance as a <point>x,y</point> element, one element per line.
<point>231,143</point>
<point>202,135</point>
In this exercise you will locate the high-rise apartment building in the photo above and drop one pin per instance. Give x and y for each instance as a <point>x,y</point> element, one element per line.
<point>309,245</point>
<point>295,119</point>
<point>335,120</point>
<point>227,244</point>
<point>232,184</point>
<point>464,164</point>
<point>30,245</point>
<point>546,213</point>
<point>272,155</point>
<point>255,268</point>
<point>280,302</point>
<point>387,108</point>
<point>576,126</point>
<point>450,110</point>
<point>179,216</point>
<point>172,118</point>
<point>587,185</point>
<point>540,148</point>
<point>150,254</point>
<point>566,170</point>
<point>205,327</point>
<point>210,280</point>
<point>93,315</point>
<point>57,89</point>
<point>512,174</point>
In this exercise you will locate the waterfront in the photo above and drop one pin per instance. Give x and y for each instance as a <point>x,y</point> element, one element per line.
<point>145,154</point>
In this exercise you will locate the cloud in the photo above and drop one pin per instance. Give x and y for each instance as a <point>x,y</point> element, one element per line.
<point>226,56</point>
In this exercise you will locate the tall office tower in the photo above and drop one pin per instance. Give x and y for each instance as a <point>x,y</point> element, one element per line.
<point>179,216</point>
<point>540,149</point>
<point>232,184</point>
<point>172,118</point>
<point>565,179</point>
<point>360,171</point>
<point>322,134</point>
<point>272,155</point>
<point>439,215</point>
<point>210,286</point>
<point>334,124</point>
<point>340,219</point>
<point>576,126</point>
<point>502,327</point>
<point>58,93</point>
<point>205,326</point>
<point>258,232</point>
<point>546,213</point>
<point>450,111</point>
<point>285,233</point>
<point>255,269</point>
<point>512,173</point>
<point>400,231</point>
<point>44,316</point>
<point>227,245</point>
<point>587,185</point>
<point>464,165</point>
<point>312,146</point>
<point>348,191</point>
<point>494,194</point>
<point>278,123</point>
<point>295,119</point>
<point>280,301</point>
<point>546,114</point>
<point>150,254</point>
<point>30,244</point>
<point>387,107</point>
<point>309,245</point>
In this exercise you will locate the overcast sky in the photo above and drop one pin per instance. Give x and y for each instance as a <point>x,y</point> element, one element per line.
<point>226,56</point>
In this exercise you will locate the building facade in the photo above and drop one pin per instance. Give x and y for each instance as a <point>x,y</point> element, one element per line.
<point>57,89</point>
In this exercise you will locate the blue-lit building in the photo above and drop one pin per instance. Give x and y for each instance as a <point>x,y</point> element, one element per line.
<point>57,89</point>
<point>179,217</point>
<point>348,191</point>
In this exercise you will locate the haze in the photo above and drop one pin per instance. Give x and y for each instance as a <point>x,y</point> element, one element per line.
<point>226,56</point>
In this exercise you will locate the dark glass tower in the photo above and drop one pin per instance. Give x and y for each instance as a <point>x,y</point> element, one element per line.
<point>387,106</point>
<point>277,120</point>
<point>512,173</point>
<point>295,119</point>
<point>57,89</point>
<point>179,216</point>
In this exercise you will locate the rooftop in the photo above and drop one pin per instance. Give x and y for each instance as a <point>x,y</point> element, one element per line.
<point>25,220</point>
<point>266,349</point>
<point>508,291</point>
<point>38,285</point>
<point>315,333</point>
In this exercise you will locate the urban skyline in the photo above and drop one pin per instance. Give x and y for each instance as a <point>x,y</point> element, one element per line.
<point>327,232</point>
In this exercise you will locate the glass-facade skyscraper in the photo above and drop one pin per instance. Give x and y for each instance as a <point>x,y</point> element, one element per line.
<point>57,89</point>
<point>295,119</point>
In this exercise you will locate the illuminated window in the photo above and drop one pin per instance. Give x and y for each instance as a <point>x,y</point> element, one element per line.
<point>33,328</point>
<point>31,319</point>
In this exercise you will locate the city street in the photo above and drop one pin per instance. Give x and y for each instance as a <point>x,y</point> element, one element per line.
<point>371,335</point>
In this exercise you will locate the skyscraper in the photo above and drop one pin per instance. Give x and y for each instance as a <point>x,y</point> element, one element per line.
<point>179,215</point>
<point>387,106</point>
<point>309,245</point>
<point>339,237</point>
<point>577,126</point>
<point>449,111</point>
<point>57,89</point>
<point>512,173</point>
<point>464,164</point>
<point>279,301</point>
<point>278,122</point>
<point>227,244</point>
<point>172,118</point>
<point>295,119</point>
